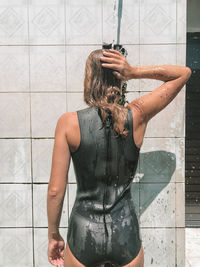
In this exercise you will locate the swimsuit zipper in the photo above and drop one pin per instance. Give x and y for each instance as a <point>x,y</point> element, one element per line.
<point>108,125</point>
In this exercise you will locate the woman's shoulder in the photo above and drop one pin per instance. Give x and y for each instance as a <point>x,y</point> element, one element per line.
<point>67,120</point>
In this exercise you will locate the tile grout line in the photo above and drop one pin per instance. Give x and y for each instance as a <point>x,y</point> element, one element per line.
<point>31,139</point>
<point>91,44</point>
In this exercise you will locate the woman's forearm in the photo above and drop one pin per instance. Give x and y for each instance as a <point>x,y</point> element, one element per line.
<point>54,210</point>
<point>159,72</point>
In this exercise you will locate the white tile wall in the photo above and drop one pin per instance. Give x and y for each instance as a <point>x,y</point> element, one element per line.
<point>16,247</point>
<point>159,246</point>
<point>157,205</point>
<point>14,22</point>
<point>44,46</point>
<point>46,22</point>
<point>16,207</point>
<point>157,21</point>
<point>14,68</point>
<point>84,22</point>
<point>47,68</point>
<point>180,247</point>
<point>14,115</point>
<point>45,111</point>
<point>181,21</point>
<point>41,159</point>
<point>15,160</point>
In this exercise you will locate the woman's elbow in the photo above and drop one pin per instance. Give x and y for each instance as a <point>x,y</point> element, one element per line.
<point>56,192</point>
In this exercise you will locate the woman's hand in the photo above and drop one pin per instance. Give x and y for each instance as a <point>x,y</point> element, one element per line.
<point>116,61</point>
<point>56,251</point>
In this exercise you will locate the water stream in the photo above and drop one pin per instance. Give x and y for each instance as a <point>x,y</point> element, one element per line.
<point>117,16</point>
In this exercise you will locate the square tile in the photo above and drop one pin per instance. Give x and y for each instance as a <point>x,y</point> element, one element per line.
<point>84,22</point>
<point>168,122</point>
<point>159,246</point>
<point>157,205</point>
<point>41,244</point>
<point>76,57</point>
<point>157,21</point>
<point>15,165</point>
<point>40,207</point>
<point>46,22</point>
<point>75,102</point>
<point>14,22</point>
<point>14,68</point>
<point>16,248</point>
<point>16,205</point>
<point>17,124</point>
<point>42,150</point>
<point>47,68</point>
<point>45,112</point>
<point>158,160</point>
<point>129,31</point>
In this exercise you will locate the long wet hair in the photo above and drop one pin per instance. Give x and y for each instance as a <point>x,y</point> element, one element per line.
<point>103,89</point>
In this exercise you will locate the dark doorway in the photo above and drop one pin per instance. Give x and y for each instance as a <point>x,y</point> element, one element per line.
<point>192,141</point>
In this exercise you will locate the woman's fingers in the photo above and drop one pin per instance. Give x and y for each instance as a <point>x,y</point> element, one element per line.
<point>109,60</point>
<point>110,66</point>
<point>110,54</point>
<point>115,52</point>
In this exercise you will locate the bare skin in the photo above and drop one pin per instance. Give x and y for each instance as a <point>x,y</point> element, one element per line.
<point>67,138</point>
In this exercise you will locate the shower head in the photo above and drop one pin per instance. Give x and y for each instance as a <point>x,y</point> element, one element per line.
<point>117,47</point>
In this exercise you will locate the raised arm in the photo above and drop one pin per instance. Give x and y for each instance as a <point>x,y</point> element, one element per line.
<point>174,78</point>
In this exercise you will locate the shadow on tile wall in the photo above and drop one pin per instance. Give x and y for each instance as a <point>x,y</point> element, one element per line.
<point>156,169</point>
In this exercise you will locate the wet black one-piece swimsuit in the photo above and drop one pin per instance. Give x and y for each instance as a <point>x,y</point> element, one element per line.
<point>103,225</point>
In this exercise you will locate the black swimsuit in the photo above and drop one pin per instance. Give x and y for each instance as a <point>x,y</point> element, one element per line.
<point>103,225</point>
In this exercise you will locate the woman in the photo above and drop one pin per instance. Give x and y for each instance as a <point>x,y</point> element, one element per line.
<point>104,141</point>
